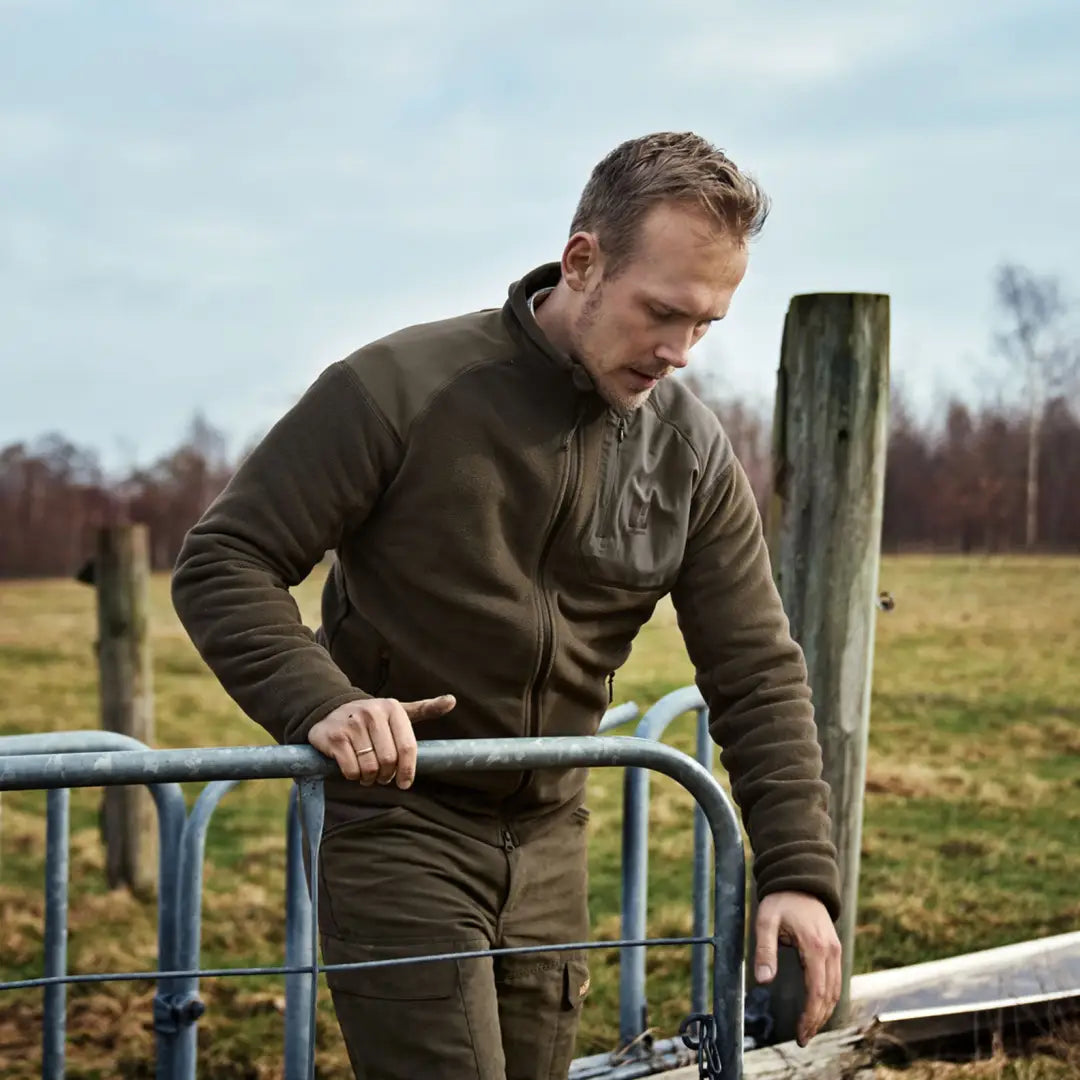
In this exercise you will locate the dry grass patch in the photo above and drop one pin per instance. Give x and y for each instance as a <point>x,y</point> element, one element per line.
<point>969,841</point>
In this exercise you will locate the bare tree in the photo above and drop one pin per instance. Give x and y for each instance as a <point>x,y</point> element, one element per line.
<point>1038,342</point>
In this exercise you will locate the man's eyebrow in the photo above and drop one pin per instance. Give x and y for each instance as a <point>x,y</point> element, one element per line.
<point>675,310</point>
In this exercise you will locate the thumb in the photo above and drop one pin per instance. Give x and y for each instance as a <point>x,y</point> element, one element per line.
<point>767,931</point>
<point>429,708</point>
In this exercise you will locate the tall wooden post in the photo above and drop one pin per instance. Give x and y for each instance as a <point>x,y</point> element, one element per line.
<point>829,440</point>
<point>122,575</point>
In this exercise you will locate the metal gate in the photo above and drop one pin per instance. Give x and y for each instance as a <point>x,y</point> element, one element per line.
<point>80,759</point>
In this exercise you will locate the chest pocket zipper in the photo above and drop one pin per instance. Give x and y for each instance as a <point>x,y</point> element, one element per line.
<point>608,508</point>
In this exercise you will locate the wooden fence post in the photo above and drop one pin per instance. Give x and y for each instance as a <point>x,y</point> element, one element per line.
<point>829,441</point>
<point>122,576</point>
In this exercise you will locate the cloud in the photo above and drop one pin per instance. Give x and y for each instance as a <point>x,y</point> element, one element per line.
<point>206,203</point>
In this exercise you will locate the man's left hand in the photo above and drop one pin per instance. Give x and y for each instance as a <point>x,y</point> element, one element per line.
<point>792,918</point>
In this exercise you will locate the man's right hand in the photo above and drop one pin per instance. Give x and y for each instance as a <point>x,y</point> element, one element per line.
<point>372,741</point>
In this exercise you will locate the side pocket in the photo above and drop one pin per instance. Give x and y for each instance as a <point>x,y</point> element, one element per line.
<point>362,653</point>
<point>342,847</point>
<point>382,675</point>
<point>335,606</point>
<point>426,981</point>
<point>358,818</point>
<point>576,983</point>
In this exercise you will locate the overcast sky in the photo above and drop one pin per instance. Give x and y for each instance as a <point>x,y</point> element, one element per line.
<point>204,203</point>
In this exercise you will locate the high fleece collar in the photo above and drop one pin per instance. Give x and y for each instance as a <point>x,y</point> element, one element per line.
<point>518,315</point>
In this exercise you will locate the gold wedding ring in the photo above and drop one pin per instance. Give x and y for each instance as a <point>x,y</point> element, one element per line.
<point>366,750</point>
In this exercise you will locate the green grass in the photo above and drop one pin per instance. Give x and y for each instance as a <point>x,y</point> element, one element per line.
<point>969,841</point>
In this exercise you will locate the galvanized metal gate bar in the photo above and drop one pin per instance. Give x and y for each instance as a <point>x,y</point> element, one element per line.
<point>53,1033</point>
<point>172,815</point>
<point>633,1019</point>
<point>231,764</point>
<point>299,1033</point>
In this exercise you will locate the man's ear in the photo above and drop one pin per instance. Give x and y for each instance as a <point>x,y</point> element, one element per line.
<point>581,261</point>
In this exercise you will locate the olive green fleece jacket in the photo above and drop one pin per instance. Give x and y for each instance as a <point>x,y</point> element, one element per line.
<point>502,534</point>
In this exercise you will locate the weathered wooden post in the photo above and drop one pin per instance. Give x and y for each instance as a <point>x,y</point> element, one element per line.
<point>824,527</point>
<point>122,576</point>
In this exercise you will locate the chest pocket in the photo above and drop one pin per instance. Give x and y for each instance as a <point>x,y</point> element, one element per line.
<point>636,534</point>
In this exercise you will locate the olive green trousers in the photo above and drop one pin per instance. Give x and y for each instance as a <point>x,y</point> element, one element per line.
<point>395,884</point>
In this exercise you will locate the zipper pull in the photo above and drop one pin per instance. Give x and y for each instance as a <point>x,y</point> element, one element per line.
<point>610,687</point>
<point>579,415</point>
<point>624,424</point>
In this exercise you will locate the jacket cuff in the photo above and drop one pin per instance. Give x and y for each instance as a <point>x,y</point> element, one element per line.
<point>810,873</point>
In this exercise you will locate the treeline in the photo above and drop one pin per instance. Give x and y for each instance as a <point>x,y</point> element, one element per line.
<point>54,496</point>
<point>955,485</point>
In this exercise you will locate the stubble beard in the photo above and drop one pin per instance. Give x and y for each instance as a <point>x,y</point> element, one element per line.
<point>621,402</point>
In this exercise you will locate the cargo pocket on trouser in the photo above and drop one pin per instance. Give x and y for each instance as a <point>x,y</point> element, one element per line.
<point>539,1010</point>
<point>402,1021</point>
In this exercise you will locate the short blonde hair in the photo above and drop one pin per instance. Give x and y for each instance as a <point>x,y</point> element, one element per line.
<point>666,167</point>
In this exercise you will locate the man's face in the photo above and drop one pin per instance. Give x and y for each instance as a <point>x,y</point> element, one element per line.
<point>633,329</point>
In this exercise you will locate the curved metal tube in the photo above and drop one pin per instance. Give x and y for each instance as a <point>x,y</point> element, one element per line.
<point>633,1008</point>
<point>171,811</point>
<point>184,1004</point>
<point>621,714</point>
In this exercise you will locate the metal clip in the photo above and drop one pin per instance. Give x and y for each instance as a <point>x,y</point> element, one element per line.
<point>175,1011</point>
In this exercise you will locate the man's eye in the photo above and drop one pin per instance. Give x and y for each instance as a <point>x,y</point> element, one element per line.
<point>659,313</point>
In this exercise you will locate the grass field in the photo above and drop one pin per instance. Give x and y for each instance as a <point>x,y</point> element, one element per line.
<point>970,837</point>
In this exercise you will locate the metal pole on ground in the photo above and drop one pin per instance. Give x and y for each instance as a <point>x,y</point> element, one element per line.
<point>829,441</point>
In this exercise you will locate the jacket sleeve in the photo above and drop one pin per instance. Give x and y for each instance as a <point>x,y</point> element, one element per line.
<point>316,474</point>
<point>753,677</point>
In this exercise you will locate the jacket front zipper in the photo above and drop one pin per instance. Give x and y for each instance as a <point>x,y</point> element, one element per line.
<point>567,496</point>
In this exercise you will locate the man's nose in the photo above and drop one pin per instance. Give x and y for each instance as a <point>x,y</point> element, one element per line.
<point>674,354</point>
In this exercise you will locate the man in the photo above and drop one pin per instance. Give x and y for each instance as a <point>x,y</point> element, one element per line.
<point>509,494</point>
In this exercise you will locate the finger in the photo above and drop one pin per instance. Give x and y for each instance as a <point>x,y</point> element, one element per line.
<point>817,992</point>
<point>766,931</point>
<point>379,764</point>
<point>405,742</point>
<point>832,977</point>
<point>382,738</point>
<point>342,751</point>
<point>836,976</point>
<point>430,708</point>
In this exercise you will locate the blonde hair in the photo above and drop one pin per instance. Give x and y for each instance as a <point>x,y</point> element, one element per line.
<point>666,167</point>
